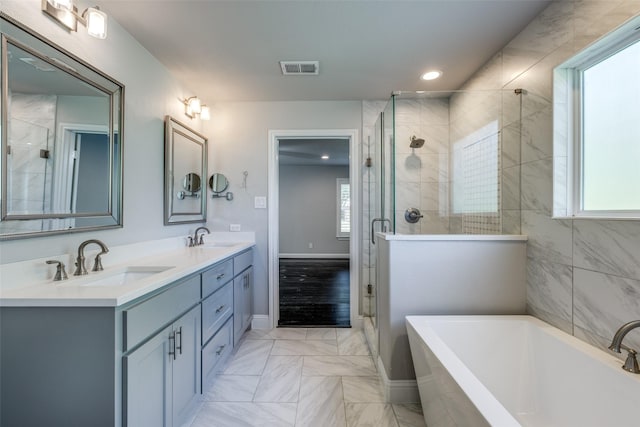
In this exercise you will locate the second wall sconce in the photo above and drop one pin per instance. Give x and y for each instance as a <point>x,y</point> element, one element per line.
<point>194,107</point>
<point>66,13</point>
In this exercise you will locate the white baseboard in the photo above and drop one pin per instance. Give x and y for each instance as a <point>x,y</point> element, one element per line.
<point>314,256</point>
<point>398,391</point>
<point>260,321</point>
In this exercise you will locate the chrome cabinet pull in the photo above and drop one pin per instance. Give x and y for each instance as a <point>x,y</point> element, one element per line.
<point>219,276</point>
<point>219,309</point>
<point>172,345</point>
<point>179,332</point>
<point>220,350</point>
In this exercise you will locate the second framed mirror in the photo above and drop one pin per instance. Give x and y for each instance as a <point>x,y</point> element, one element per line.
<point>185,163</point>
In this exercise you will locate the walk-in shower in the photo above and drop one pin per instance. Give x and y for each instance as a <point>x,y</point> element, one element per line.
<point>464,180</point>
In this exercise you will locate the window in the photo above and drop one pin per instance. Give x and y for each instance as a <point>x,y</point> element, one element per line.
<point>343,204</point>
<point>475,170</point>
<point>597,129</point>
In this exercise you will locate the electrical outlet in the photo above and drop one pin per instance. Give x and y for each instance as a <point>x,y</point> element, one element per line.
<point>310,245</point>
<point>234,227</point>
<point>260,202</point>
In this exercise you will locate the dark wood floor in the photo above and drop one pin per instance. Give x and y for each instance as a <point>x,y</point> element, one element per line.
<point>314,292</point>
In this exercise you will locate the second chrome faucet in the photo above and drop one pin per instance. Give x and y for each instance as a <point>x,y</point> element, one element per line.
<point>198,240</point>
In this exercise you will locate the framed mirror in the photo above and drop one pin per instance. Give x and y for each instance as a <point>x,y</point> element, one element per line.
<point>61,139</point>
<point>185,162</point>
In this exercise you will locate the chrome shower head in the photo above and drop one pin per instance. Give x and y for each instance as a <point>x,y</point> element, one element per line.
<point>416,142</point>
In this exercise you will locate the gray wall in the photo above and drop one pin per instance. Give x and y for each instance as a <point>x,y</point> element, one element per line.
<point>583,276</point>
<point>308,209</point>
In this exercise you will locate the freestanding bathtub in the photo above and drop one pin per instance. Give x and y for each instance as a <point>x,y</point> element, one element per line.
<point>507,371</point>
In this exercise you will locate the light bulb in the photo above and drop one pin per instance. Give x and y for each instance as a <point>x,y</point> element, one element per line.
<point>431,75</point>
<point>195,105</point>
<point>205,113</point>
<point>96,23</point>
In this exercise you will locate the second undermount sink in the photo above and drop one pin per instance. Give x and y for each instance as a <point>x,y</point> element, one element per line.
<point>126,275</point>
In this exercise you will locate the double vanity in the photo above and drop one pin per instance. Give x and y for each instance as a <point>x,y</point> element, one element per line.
<point>132,345</point>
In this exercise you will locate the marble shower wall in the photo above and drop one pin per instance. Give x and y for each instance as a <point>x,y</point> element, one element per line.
<point>421,174</point>
<point>583,276</point>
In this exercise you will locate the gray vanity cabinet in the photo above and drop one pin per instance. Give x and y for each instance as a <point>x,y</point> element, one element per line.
<point>139,364</point>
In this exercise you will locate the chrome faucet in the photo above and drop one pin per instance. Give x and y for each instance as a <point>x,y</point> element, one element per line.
<point>197,241</point>
<point>97,265</point>
<point>631,364</point>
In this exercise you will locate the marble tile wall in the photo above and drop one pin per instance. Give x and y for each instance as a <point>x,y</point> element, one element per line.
<point>583,276</point>
<point>422,174</point>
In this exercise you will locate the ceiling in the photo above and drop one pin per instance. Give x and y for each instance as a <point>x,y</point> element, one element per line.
<point>308,152</point>
<point>229,50</point>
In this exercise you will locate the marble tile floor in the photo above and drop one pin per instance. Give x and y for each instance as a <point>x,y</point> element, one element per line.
<point>299,377</point>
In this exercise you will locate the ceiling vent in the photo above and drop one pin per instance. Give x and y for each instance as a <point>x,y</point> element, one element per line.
<point>299,68</point>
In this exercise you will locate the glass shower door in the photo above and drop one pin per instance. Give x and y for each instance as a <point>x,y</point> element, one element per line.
<point>380,202</point>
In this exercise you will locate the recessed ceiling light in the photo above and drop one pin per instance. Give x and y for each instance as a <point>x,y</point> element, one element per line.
<point>324,157</point>
<point>431,75</point>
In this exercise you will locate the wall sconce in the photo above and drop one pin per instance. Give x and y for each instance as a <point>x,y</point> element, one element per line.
<point>66,13</point>
<point>193,107</point>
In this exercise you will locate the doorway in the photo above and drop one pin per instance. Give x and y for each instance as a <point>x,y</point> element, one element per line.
<point>313,228</point>
<point>314,223</point>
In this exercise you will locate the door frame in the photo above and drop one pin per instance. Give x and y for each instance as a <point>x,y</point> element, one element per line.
<point>274,214</point>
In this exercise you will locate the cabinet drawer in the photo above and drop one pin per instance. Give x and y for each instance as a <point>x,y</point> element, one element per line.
<point>216,309</point>
<point>217,350</point>
<point>143,319</point>
<point>217,276</point>
<point>243,261</point>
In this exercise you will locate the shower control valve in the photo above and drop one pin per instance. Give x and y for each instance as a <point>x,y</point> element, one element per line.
<point>412,215</point>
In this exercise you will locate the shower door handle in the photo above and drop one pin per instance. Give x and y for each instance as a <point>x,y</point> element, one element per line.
<point>373,223</point>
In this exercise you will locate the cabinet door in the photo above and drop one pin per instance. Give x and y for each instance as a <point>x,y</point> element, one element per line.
<point>148,382</point>
<point>238,306</point>
<point>186,366</point>
<point>247,299</point>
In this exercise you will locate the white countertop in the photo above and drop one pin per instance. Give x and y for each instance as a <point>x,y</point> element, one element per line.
<point>78,292</point>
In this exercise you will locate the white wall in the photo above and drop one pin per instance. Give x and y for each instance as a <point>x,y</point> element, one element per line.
<point>150,94</point>
<point>238,134</point>
<point>308,209</point>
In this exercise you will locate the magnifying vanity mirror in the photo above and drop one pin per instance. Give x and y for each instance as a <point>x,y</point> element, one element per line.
<point>61,139</point>
<point>185,158</point>
<point>191,185</point>
<point>218,183</point>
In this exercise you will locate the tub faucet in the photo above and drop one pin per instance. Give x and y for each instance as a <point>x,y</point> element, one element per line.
<point>199,241</point>
<point>631,364</point>
<point>97,265</point>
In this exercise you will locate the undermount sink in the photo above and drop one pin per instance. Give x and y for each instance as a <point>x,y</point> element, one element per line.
<point>126,276</point>
<point>218,245</point>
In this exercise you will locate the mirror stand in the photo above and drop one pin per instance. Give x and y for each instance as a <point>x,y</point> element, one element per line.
<point>228,195</point>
